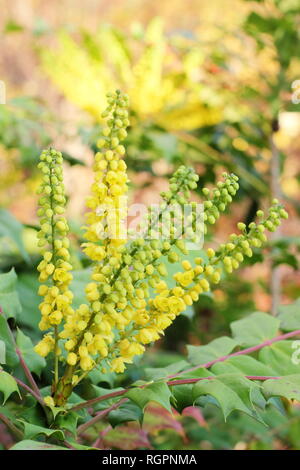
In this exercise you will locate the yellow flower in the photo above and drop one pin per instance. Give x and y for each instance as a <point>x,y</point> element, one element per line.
<point>117,365</point>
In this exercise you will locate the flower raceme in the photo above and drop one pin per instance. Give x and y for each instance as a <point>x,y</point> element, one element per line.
<point>129,304</point>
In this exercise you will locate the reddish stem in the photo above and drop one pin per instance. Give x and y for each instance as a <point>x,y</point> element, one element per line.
<point>29,390</point>
<point>17,433</point>
<point>170,383</point>
<point>99,416</point>
<point>238,353</point>
<point>28,373</point>
<point>204,366</point>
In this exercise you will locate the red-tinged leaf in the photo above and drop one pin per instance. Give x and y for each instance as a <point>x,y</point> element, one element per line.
<point>195,413</point>
<point>157,418</point>
<point>128,437</point>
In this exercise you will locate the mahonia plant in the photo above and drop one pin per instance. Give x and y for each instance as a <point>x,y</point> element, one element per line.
<point>128,302</point>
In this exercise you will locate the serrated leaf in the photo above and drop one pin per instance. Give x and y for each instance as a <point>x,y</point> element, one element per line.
<point>9,299</point>
<point>232,392</point>
<point>28,444</point>
<point>8,385</point>
<point>34,362</point>
<point>126,412</point>
<point>288,387</point>
<point>218,347</point>
<point>289,316</point>
<point>182,396</point>
<point>11,228</point>
<point>31,431</point>
<point>256,328</point>
<point>158,392</point>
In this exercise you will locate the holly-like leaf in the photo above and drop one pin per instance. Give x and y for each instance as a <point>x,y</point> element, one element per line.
<point>126,412</point>
<point>67,421</point>
<point>256,328</point>
<point>8,385</point>
<point>288,387</point>
<point>34,362</point>
<point>9,299</point>
<point>231,391</point>
<point>31,431</point>
<point>217,348</point>
<point>158,392</point>
<point>28,444</point>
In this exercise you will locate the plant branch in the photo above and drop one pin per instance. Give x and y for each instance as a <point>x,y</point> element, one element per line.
<point>170,383</point>
<point>28,373</point>
<point>24,366</point>
<point>29,390</point>
<point>99,416</point>
<point>17,433</point>
<point>239,353</point>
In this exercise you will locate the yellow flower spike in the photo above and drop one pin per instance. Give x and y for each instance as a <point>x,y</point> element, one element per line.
<point>119,318</point>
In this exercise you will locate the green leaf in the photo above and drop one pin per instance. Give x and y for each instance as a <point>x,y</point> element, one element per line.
<point>289,316</point>
<point>182,396</point>
<point>158,392</point>
<point>288,387</point>
<point>246,365</point>
<point>28,444</point>
<point>153,373</point>
<point>8,385</point>
<point>219,347</point>
<point>27,287</point>
<point>11,228</point>
<point>279,356</point>
<point>31,431</point>
<point>35,362</point>
<point>9,299</point>
<point>126,412</point>
<point>99,391</point>
<point>5,335</point>
<point>256,328</point>
<point>232,392</point>
<point>67,421</point>
<point>2,352</point>
<point>96,377</point>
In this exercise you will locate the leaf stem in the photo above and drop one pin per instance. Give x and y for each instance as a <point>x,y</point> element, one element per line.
<point>170,383</point>
<point>29,390</point>
<point>99,416</point>
<point>239,353</point>
<point>28,373</point>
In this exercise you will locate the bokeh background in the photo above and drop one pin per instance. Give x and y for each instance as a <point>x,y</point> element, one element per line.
<point>210,86</point>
